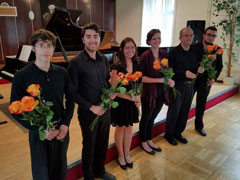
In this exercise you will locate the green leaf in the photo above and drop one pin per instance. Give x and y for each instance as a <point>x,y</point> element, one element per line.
<point>121,90</point>
<point>115,104</point>
<point>42,135</point>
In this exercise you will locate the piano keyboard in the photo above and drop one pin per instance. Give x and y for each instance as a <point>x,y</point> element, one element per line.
<point>7,74</point>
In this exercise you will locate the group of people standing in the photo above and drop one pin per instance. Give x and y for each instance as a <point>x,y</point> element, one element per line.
<point>88,73</point>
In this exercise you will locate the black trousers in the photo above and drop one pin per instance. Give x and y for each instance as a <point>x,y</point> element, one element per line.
<point>48,158</point>
<point>202,93</point>
<point>178,110</point>
<point>95,143</point>
<point>148,117</point>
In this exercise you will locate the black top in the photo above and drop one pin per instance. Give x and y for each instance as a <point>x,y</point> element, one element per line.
<point>89,76</point>
<point>126,113</point>
<point>181,61</point>
<point>54,84</point>
<point>199,51</point>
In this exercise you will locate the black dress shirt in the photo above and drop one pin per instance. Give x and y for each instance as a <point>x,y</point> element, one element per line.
<point>182,61</point>
<point>89,77</point>
<point>54,85</point>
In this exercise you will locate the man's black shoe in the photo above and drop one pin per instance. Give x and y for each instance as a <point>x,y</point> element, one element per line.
<point>181,139</point>
<point>106,176</point>
<point>171,140</point>
<point>201,131</point>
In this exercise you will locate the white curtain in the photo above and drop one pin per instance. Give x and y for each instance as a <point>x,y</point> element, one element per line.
<point>158,14</point>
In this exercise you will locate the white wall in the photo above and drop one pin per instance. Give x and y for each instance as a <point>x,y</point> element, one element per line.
<point>129,20</point>
<point>190,10</point>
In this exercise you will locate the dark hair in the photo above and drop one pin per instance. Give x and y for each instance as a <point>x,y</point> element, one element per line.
<point>121,61</point>
<point>213,28</point>
<point>42,35</point>
<point>92,26</point>
<point>150,34</point>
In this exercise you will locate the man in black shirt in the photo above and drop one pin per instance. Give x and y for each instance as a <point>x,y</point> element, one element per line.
<point>48,157</point>
<point>203,83</point>
<point>185,66</point>
<point>89,72</point>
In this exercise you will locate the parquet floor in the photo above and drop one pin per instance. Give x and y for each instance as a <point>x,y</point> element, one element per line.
<point>203,157</point>
<point>214,157</point>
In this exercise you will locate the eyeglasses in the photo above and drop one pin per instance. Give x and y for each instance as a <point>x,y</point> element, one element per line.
<point>211,35</point>
<point>44,46</point>
<point>187,35</point>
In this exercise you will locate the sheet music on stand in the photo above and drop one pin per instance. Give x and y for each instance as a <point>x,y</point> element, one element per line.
<point>25,53</point>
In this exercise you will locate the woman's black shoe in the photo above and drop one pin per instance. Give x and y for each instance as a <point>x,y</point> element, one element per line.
<point>124,167</point>
<point>149,152</point>
<point>155,149</point>
<point>130,165</point>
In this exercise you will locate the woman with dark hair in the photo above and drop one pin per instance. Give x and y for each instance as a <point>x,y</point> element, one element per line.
<point>126,113</point>
<point>153,95</point>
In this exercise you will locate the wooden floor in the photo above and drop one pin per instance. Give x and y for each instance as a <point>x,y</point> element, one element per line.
<point>194,157</point>
<point>214,157</point>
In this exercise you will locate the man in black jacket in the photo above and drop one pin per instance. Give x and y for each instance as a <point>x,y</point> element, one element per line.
<point>48,157</point>
<point>203,83</point>
<point>89,72</point>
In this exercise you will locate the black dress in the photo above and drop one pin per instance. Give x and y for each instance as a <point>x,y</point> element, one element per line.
<point>127,112</point>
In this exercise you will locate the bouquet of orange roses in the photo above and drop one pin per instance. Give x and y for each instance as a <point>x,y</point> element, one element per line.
<point>209,58</point>
<point>107,102</point>
<point>136,85</point>
<point>162,66</point>
<point>35,110</point>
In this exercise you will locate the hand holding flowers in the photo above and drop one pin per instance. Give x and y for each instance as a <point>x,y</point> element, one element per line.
<point>208,60</point>
<point>162,66</point>
<point>107,98</point>
<point>37,112</point>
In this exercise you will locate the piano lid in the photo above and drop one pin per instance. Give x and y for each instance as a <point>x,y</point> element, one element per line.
<point>61,24</point>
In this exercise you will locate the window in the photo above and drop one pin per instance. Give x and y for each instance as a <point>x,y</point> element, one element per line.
<point>158,14</point>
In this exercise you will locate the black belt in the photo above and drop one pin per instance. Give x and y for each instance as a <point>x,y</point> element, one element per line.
<point>183,82</point>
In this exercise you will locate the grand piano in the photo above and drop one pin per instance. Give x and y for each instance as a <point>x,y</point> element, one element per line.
<point>69,42</point>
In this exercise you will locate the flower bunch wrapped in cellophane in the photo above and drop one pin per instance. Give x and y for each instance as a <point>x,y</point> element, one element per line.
<point>209,58</point>
<point>35,110</point>
<point>136,85</point>
<point>162,66</point>
<point>107,102</point>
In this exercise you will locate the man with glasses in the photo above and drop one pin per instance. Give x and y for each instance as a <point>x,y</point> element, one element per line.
<point>203,83</point>
<point>185,67</point>
<point>48,157</point>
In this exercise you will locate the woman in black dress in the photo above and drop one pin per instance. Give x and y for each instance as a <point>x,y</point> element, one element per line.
<point>126,113</point>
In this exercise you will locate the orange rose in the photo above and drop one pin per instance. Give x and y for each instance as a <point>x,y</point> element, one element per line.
<point>213,56</point>
<point>125,82</point>
<point>28,103</point>
<point>215,46</point>
<point>220,51</point>
<point>33,89</point>
<point>15,107</point>
<point>164,62</point>
<point>210,48</point>
<point>134,77</point>
<point>138,74</point>
<point>128,76</point>
<point>156,65</point>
